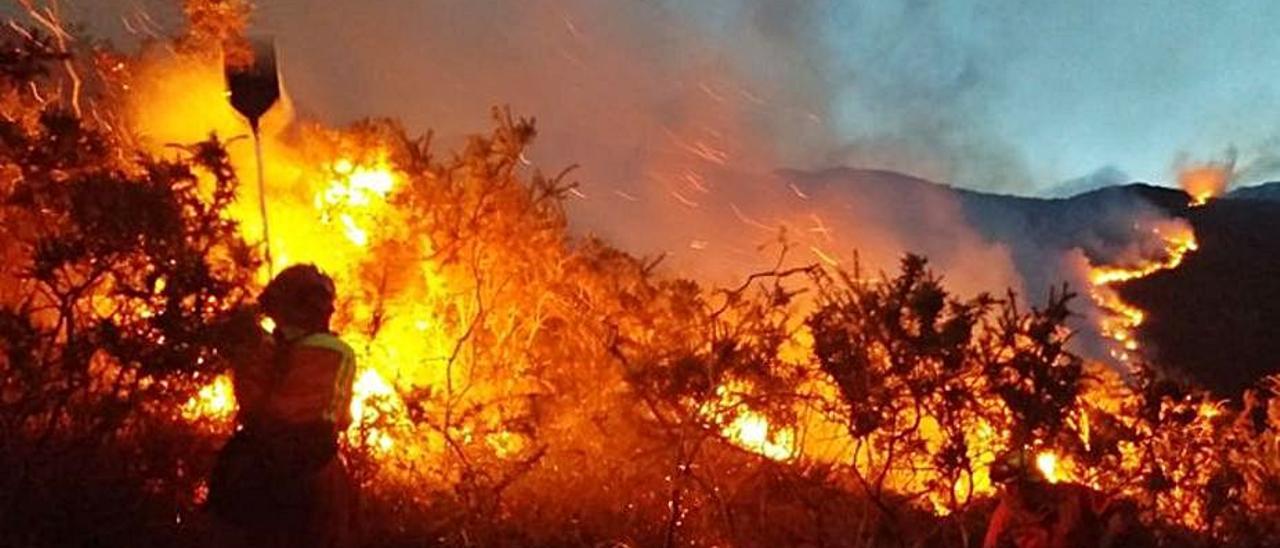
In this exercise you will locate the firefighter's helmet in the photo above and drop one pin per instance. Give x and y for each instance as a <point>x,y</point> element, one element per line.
<point>1016,465</point>
<point>300,295</point>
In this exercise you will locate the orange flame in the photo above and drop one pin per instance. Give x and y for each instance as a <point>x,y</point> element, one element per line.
<point>331,212</point>
<point>748,429</point>
<point>215,401</point>
<point>1205,182</point>
<point>1047,463</point>
<point>1123,319</point>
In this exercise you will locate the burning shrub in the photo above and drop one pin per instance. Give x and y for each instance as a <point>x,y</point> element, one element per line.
<point>931,388</point>
<point>119,276</point>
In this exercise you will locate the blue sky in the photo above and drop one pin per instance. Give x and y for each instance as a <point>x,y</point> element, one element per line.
<point>1071,86</point>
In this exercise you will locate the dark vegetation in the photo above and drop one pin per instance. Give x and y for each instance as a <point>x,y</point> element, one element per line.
<point>1217,318</point>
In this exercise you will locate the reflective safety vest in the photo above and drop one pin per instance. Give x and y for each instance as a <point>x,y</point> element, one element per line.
<point>306,378</point>
<point>1042,515</point>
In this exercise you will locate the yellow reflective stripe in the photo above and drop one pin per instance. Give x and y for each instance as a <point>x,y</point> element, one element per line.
<point>346,370</point>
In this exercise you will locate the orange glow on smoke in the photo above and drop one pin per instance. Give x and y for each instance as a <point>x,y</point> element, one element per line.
<point>1205,182</point>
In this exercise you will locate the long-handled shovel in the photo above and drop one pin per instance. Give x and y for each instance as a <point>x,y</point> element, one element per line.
<point>255,87</point>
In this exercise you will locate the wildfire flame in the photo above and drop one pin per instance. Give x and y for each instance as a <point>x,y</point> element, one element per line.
<point>332,211</point>
<point>1123,319</point>
<point>1047,464</point>
<point>748,429</point>
<point>356,187</point>
<point>332,205</point>
<point>1205,182</point>
<point>345,202</point>
<point>215,401</point>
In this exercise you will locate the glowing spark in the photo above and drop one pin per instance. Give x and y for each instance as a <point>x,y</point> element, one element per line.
<point>750,96</point>
<point>572,28</point>
<point>747,220</point>
<point>819,227</point>
<point>684,200</point>
<point>695,180</point>
<point>825,258</point>
<point>710,92</point>
<point>704,151</point>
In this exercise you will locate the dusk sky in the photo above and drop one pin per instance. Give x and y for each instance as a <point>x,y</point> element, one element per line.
<point>1007,95</point>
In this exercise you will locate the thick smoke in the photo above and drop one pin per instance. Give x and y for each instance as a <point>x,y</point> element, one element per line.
<point>681,114</point>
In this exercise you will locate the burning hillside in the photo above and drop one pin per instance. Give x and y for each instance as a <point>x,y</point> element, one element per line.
<point>1125,319</point>
<point>1126,238</point>
<point>504,363</point>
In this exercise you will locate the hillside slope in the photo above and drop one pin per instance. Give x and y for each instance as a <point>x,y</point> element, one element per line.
<point>1216,318</point>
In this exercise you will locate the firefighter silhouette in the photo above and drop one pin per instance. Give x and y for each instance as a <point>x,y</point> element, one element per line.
<point>279,481</point>
<point>1036,513</point>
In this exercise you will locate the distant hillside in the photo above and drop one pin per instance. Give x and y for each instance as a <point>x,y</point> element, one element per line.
<point>1265,191</point>
<point>1216,318</point>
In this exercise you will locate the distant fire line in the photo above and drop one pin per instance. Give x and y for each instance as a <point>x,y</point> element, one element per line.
<point>1123,319</point>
